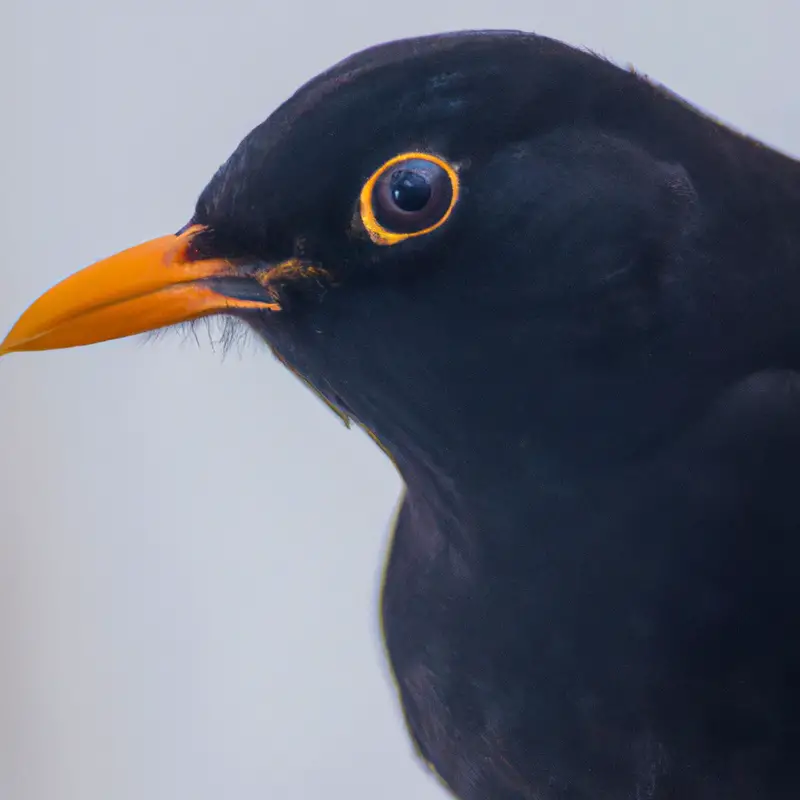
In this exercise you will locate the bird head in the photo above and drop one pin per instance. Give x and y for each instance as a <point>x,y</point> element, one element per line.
<point>474,244</point>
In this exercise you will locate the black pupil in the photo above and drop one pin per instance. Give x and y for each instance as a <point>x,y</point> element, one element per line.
<point>411,190</point>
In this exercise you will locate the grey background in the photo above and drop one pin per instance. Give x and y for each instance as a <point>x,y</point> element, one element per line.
<point>190,546</point>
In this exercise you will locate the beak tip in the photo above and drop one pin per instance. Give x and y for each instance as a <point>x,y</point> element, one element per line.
<point>13,342</point>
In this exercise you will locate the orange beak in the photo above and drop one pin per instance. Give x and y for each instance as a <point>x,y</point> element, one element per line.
<point>147,287</point>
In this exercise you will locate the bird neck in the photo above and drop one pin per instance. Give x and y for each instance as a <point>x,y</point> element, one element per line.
<point>482,484</point>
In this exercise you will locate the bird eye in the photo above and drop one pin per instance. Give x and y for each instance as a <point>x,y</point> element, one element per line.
<point>409,195</point>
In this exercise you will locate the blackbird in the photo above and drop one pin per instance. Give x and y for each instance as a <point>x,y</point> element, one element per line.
<point>565,303</point>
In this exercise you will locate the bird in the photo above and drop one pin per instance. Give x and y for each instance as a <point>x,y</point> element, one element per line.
<point>563,300</point>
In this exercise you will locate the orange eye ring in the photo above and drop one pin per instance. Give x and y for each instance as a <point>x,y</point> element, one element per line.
<point>379,233</point>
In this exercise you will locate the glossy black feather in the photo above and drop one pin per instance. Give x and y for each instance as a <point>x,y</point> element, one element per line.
<point>585,378</point>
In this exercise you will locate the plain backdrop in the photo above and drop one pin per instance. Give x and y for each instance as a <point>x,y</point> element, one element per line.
<point>191,545</point>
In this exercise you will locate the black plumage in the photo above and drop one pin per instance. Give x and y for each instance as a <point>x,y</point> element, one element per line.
<point>587,376</point>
